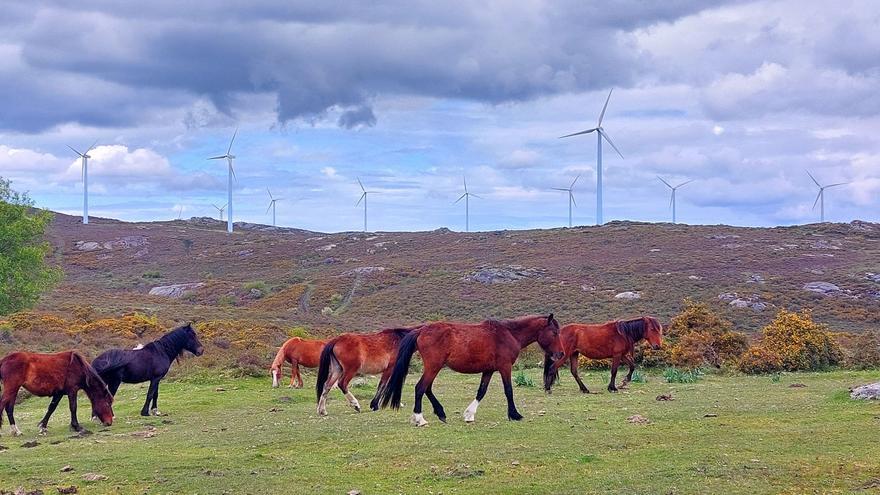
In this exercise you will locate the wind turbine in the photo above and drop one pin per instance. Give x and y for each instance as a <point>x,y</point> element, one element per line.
<point>85,178</point>
<point>364,199</point>
<point>820,198</point>
<point>600,133</point>
<point>467,206</point>
<point>220,209</point>
<point>570,197</point>
<point>180,212</point>
<point>231,174</point>
<point>272,202</point>
<point>672,199</point>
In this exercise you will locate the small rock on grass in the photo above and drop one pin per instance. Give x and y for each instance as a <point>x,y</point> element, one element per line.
<point>3,447</point>
<point>354,492</point>
<point>68,489</point>
<point>66,469</point>
<point>664,397</point>
<point>219,389</point>
<point>638,419</point>
<point>94,477</point>
<point>710,415</point>
<point>797,385</point>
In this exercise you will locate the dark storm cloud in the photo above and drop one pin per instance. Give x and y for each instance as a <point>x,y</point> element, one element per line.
<point>118,58</point>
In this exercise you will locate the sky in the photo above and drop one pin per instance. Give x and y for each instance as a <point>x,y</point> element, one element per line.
<point>740,97</point>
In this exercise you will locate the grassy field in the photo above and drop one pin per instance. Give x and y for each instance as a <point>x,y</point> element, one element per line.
<point>723,434</point>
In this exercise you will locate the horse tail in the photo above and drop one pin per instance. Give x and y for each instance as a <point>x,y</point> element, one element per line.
<point>327,357</point>
<point>408,346</point>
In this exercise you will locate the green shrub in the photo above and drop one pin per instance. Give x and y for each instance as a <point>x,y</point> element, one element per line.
<point>639,377</point>
<point>698,337</point>
<point>675,375</point>
<point>861,352</point>
<point>521,379</point>
<point>226,300</point>
<point>258,285</point>
<point>336,301</point>
<point>152,274</point>
<point>792,342</point>
<point>301,332</point>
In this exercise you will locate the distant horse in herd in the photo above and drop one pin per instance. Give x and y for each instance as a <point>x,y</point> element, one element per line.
<point>478,348</point>
<point>298,352</point>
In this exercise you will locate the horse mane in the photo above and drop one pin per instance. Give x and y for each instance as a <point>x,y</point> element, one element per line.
<point>398,332</point>
<point>512,322</point>
<point>92,380</point>
<point>632,329</point>
<point>173,341</point>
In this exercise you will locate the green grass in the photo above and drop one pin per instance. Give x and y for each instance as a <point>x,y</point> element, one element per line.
<point>248,438</point>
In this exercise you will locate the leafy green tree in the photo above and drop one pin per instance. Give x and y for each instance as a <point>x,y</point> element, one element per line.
<point>24,272</point>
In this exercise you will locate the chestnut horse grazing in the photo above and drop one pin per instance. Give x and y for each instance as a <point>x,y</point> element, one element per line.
<point>484,348</point>
<point>615,340</point>
<point>55,375</point>
<point>298,352</point>
<point>357,353</point>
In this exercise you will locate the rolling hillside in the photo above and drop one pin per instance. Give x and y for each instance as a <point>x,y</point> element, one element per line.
<point>356,281</point>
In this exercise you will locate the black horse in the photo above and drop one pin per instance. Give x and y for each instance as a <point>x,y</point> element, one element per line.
<point>149,363</point>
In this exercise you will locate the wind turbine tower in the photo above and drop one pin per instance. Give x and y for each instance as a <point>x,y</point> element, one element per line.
<point>672,198</point>
<point>85,178</point>
<point>272,201</point>
<point>467,206</point>
<point>364,199</point>
<point>600,134</point>
<point>571,201</point>
<point>230,175</point>
<point>820,198</point>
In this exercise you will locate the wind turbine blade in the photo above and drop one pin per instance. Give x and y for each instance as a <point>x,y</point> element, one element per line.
<point>814,179</point>
<point>92,146</point>
<point>228,151</point>
<point>364,195</point>
<point>663,181</point>
<point>270,193</point>
<point>817,199</point>
<point>217,157</point>
<point>232,169</point>
<point>602,115</point>
<point>460,198</point>
<point>270,206</point>
<point>671,200</point>
<point>74,150</point>
<point>571,195</point>
<point>838,184</point>
<point>464,179</point>
<point>605,135</point>
<point>476,196</point>
<point>361,184</point>
<point>579,133</point>
<point>575,180</point>
<point>559,189</point>
<point>683,183</point>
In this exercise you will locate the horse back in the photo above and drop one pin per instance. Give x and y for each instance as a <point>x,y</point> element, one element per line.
<point>306,352</point>
<point>40,374</point>
<point>599,341</point>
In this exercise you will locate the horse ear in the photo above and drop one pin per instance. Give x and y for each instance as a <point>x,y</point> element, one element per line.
<point>550,319</point>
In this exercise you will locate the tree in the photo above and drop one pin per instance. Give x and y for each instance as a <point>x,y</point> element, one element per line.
<point>24,272</point>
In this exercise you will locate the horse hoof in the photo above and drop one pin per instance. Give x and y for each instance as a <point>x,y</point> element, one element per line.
<point>442,419</point>
<point>585,391</point>
<point>515,417</point>
<point>418,420</point>
<point>15,431</point>
<point>145,414</point>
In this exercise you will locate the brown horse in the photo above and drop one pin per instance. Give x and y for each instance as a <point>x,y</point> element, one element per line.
<point>615,340</point>
<point>484,348</point>
<point>357,353</point>
<point>298,352</point>
<point>55,375</point>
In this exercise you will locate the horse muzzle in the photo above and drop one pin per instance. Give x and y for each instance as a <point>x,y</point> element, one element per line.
<point>199,351</point>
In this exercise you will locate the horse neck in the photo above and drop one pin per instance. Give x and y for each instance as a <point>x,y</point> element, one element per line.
<point>634,334</point>
<point>523,332</point>
<point>171,346</point>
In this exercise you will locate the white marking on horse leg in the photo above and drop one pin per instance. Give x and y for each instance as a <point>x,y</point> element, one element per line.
<point>322,404</point>
<point>15,431</point>
<point>471,411</point>
<point>274,378</point>
<point>418,419</point>
<point>155,412</point>
<point>352,401</point>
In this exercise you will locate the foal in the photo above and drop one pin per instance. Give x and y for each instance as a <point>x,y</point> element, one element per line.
<point>484,348</point>
<point>55,375</point>
<point>614,339</point>
<point>298,352</point>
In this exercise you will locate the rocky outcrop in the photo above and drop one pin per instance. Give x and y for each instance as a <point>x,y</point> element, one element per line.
<point>866,392</point>
<point>502,275</point>
<point>175,291</point>
<point>628,295</point>
<point>824,288</point>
